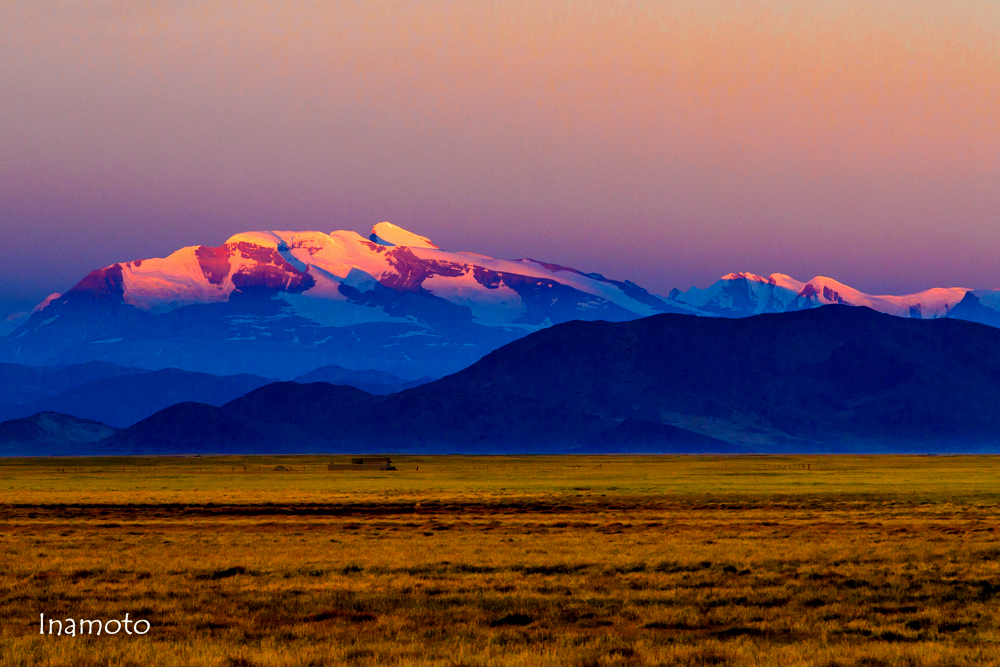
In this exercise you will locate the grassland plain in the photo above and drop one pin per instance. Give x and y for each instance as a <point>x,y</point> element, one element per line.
<point>850,561</point>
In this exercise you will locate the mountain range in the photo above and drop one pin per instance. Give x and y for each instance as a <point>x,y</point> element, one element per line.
<point>745,294</point>
<point>831,379</point>
<point>283,304</point>
<point>193,353</point>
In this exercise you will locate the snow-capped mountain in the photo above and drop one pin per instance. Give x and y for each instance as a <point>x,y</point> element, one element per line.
<point>743,294</point>
<point>283,303</point>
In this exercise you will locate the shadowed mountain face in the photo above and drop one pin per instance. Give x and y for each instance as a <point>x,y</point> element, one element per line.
<point>121,397</point>
<point>830,379</point>
<point>835,375</point>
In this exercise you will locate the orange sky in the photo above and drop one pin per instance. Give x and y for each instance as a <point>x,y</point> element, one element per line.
<point>665,142</point>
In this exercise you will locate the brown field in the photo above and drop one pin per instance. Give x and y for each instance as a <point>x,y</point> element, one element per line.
<point>851,561</point>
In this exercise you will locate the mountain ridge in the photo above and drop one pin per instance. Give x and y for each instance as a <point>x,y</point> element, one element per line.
<point>311,299</point>
<point>284,303</point>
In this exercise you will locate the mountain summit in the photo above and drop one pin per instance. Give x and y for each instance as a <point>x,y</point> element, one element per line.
<point>386,233</point>
<point>283,303</point>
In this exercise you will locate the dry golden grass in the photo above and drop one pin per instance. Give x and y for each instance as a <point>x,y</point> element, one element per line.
<point>851,561</point>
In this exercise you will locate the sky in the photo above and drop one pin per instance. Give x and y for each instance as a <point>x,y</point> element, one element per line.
<point>666,142</point>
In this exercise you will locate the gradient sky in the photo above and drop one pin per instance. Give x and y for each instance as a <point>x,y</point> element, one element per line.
<point>668,142</point>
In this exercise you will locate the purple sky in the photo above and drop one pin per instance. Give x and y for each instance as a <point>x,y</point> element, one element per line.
<point>667,142</point>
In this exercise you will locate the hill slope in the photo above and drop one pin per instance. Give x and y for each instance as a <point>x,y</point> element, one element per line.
<point>828,379</point>
<point>373,382</point>
<point>50,434</point>
<point>122,401</point>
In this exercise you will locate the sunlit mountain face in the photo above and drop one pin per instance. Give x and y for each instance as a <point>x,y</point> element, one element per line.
<point>284,303</point>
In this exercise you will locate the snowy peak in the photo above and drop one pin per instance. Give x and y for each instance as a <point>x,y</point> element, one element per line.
<point>388,234</point>
<point>827,290</point>
<point>775,279</point>
<point>342,279</point>
<point>270,239</point>
<point>744,275</point>
<point>785,282</point>
<point>742,294</point>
